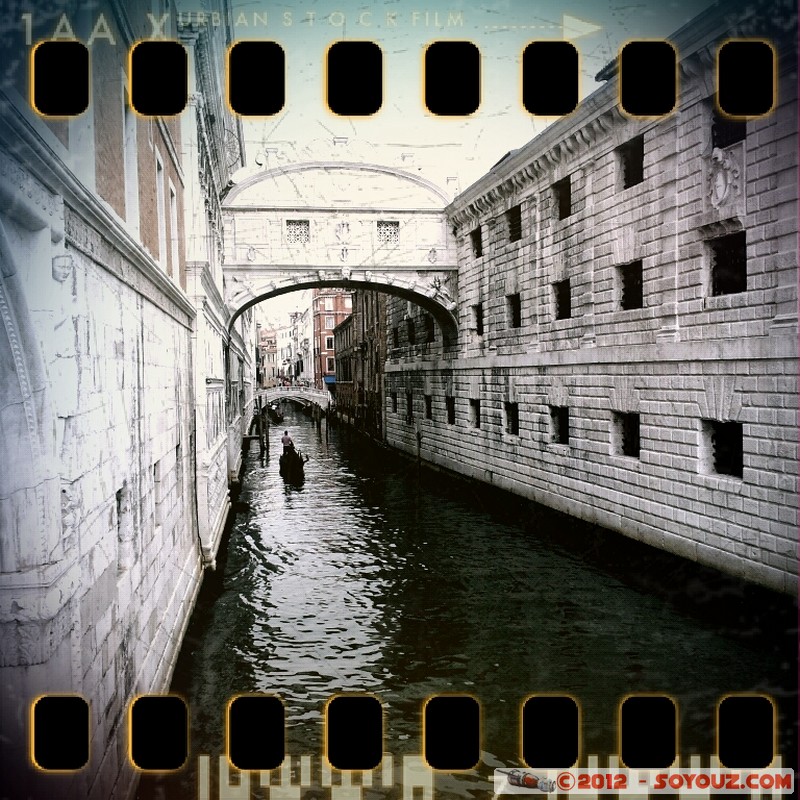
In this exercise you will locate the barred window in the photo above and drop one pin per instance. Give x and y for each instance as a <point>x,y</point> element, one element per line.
<point>428,406</point>
<point>297,231</point>
<point>724,444</point>
<point>725,132</point>
<point>409,406</point>
<point>388,232</point>
<point>729,264</point>
<point>395,337</point>
<point>394,402</point>
<point>559,424</point>
<point>514,222</point>
<point>630,285</point>
<point>450,404</point>
<point>512,418</point>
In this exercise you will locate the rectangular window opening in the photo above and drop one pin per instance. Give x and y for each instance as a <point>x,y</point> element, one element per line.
<point>514,309</point>
<point>630,285</point>
<point>729,264</point>
<point>409,406</point>
<point>562,304</point>
<point>430,329</point>
<point>512,418</point>
<point>411,331</point>
<point>626,434</point>
<point>514,222</point>
<point>395,337</point>
<point>428,406</point>
<point>562,191</point>
<point>475,413</point>
<point>477,318</point>
<point>631,160</point>
<point>394,402</point>
<point>477,242</point>
<point>450,405</point>
<point>559,421</point>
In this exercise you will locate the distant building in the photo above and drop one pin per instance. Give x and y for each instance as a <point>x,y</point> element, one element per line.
<point>330,307</point>
<point>360,346</point>
<point>267,358</point>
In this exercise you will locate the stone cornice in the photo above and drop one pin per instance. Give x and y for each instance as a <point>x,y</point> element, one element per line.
<point>599,113</point>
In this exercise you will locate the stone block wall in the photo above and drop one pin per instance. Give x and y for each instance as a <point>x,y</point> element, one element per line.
<point>689,364</point>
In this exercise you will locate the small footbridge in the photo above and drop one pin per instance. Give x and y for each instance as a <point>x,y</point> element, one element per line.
<point>307,396</point>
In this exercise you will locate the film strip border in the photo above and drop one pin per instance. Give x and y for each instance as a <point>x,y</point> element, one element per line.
<point>549,732</point>
<point>451,78</point>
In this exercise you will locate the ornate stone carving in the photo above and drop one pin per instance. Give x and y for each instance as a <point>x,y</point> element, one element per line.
<point>723,178</point>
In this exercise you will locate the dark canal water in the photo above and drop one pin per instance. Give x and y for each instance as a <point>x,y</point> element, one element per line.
<point>373,577</point>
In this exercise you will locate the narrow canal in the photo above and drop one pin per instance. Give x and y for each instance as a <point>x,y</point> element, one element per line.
<point>373,577</point>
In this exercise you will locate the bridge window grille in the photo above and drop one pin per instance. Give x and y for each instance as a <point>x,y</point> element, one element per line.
<point>562,304</point>
<point>559,424</point>
<point>388,232</point>
<point>428,406</point>
<point>631,162</point>
<point>394,402</point>
<point>475,413</point>
<point>630,285</point>
<point>729,264</point>
<point>514,222</point>
<point>724,444</point>
<point>477,318</point>
<point>514,309</point>
<point>562,192</point>
<point>450,405</point>
<point>297,231</point>
<point>725,132</point>
<point>430,328</point>
<point>626,434</point>
<point>409,406</point>
<point>512,418</point>
<point>411,331</point>
<point>477,242</point>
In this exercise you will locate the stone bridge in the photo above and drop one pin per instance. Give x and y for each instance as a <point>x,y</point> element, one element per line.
<point>306,396</point>
<point>339,224</point>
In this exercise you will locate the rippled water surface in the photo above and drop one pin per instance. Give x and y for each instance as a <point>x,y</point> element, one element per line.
<point>376,577</point>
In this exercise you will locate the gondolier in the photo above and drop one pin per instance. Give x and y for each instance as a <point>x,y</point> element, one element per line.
<point>287,442</point>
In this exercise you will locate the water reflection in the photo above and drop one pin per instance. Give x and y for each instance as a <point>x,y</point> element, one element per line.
<point>372,578</point>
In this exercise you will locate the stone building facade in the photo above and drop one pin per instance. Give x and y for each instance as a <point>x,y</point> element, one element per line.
<point>99,534</point>
<point>627,295</point>
<point>360,344</point>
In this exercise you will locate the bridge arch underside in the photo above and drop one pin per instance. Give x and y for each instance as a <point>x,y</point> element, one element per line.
<point>431,299</point>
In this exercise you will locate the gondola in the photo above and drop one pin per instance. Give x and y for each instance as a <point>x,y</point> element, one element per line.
<point>291,466</point>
